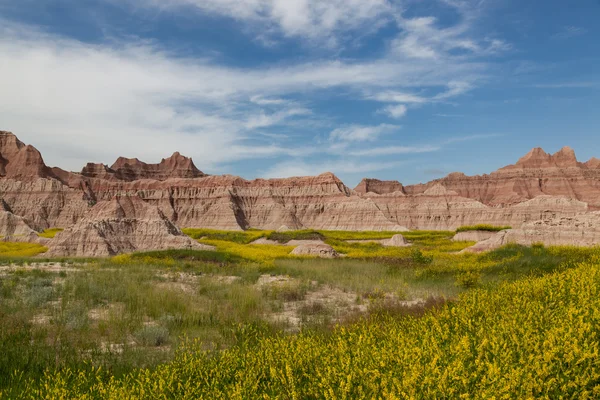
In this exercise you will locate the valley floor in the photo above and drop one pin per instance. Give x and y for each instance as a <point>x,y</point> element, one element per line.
<point>250,321</point>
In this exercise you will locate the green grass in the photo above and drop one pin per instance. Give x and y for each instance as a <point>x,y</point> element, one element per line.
<point>50,233</point>
<point>482,227</point>
<point>534,338</point>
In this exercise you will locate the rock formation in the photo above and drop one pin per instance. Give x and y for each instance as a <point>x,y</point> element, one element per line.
<point>395,241</point>
<point>379,187</point>
<point>122,225</point>
<point>539,186</point>
<point>537,173</point>
<point>580,230</point>
<point>315,250</point>
<point>12,225</point>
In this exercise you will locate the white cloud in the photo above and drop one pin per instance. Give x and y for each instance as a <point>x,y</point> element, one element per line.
<point>396,112</point>
<point>455,88</point>
<point>361,133</point>
<point>313,20</point>
<point>137,99</point>
<point>265,101</point>
<point>264,120</point>
<point>398,97</point>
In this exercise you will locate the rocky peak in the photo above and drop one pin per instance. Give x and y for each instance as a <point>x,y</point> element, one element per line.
<point>565,158</point>
<point>456,175</point>
<point>123,162</point>
<point>20,161</point>
<point>9,145</point>
<point>368,185</point>
<point>180,167</point>
<point>176,166</point>
<point>93,170</point>
<point>537,158</point>
<point>593,163</point>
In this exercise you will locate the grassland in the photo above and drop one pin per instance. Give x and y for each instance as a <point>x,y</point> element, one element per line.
<point>250,321</point>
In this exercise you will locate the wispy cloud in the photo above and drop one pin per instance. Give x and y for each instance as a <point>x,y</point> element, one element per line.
<point>361,133</point>
<point>469,138</point>
<point>569,31</point>
<point>395,112</point>
<point>264,120</point>
<point>58,91</point>
<point>398,97</point>
<point>265,101</point>
<point>315,21</point>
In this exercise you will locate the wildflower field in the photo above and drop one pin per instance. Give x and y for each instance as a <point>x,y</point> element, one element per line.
<point>250,321</point>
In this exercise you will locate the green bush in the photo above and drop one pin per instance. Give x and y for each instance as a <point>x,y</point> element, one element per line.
<point>468,279</point>
<point>152,335</point>
<point>482,227</point>
<point>284,237</point>
<point>421,259</point>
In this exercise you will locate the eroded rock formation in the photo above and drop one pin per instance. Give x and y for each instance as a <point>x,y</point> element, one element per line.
<point>537,173</point>
<point>368,185</point>
<point>315,250</point>
<point>539,186</point>
<point>123,225</point>
<point>579,230</point>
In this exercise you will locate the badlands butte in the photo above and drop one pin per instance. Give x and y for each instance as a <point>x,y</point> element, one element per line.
<point>132,205</point>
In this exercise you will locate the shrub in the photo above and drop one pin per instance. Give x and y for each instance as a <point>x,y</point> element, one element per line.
<point>419,258</point>
<point>468,279</point>
<point>241,237</point>
<point>482,227</point>
<point>38,296</point>
<point>290,291</point>
<point>284,237</point>
<point>152,335</point>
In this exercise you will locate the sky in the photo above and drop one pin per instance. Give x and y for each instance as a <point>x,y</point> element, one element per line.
<point>408,90</point>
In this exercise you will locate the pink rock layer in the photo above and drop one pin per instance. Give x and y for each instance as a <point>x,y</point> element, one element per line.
<point>538,186</point>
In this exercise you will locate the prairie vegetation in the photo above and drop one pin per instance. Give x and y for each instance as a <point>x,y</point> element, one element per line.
<point>250,321</point>
<point>50,233</point>
<point>20,250</point>
<point>482,227</point>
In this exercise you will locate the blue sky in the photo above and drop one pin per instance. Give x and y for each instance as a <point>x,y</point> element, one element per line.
<point>395,89</point>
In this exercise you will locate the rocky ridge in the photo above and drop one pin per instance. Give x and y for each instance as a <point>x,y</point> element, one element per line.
<point>538,186</point>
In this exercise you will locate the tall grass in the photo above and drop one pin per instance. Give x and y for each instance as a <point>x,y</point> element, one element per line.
<point>536,338</point>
